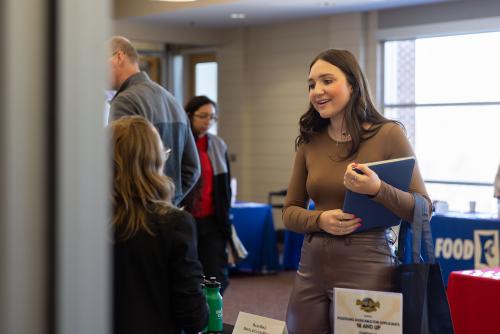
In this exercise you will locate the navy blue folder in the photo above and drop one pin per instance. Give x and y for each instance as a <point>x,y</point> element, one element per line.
<point>397,173</point>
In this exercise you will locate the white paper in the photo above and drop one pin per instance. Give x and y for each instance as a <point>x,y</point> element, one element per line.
<point>254,324</point>
<point>368,312</point>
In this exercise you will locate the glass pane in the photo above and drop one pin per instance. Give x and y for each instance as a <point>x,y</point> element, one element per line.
<point>458,196</point>
<point>177,77</point>
<point>458,143</point>
<point>405,116</point>
<point>463,68</point>
<point>206,84</point>
<point>399,72</point>
<point>206,80</point>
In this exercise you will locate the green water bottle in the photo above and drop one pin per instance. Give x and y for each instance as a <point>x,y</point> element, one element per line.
<point>214,300</point>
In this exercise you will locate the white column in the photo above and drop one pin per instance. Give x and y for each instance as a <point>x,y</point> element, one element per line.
<point>23,223</point>
<point>83,262</point>
<point>42,292</point>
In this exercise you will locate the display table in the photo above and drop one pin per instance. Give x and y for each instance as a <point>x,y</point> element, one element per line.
<point>465,241</point>
<point>293,245</point>
<point>255,228</point>
<point>291,252</point>
<point>473,297</point>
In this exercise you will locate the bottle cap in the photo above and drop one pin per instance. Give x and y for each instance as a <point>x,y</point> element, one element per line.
<point>212,283</point>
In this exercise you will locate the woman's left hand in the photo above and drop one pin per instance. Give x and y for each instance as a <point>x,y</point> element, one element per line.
<point>367,183</point>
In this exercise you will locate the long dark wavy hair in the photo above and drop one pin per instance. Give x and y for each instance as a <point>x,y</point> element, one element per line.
<point>139,186</point>
<point>358,110</point>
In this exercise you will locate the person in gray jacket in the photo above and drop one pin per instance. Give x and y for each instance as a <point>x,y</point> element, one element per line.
<point>136,94</point>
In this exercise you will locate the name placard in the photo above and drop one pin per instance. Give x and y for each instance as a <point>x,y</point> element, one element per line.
<point>368,312</point>
<point>253,324</point>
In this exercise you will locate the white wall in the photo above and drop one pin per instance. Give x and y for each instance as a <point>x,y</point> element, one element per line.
<point>263,93</point>
<point>231,101</point>
<point>165,33</point>
<point>23,194</point>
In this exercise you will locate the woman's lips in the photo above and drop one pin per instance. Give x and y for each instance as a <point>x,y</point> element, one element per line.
<point>322,103</point>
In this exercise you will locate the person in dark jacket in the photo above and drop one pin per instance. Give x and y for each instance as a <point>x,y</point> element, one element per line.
<point>136,94</point>
<point>157,274</point>
<point>210,200</point>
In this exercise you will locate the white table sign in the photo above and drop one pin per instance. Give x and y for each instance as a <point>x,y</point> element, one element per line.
<point>368,312</point>
<point>253,324</point>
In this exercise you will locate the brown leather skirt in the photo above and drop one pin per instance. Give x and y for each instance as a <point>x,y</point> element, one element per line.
<point>359,261</point>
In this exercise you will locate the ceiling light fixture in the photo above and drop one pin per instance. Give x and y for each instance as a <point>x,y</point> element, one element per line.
<point>176,0</point>
<point>237,16</point>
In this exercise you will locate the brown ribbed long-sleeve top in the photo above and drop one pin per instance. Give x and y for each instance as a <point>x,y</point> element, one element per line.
<point>318,174</point>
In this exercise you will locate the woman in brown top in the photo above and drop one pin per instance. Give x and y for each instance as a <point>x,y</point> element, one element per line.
<point>340,130</point>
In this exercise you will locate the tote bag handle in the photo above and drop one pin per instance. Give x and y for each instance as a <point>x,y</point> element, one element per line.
<point>417,235</point>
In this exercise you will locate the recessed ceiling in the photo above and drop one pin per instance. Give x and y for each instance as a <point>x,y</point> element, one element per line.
<point>217,13</point>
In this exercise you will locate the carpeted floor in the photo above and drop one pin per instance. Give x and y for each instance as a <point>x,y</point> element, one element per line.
<point>264,295</point>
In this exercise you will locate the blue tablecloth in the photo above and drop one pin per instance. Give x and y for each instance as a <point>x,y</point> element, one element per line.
<point>465,241</point>
<point>293,245</point>
<point>291,252</point>
<point>461,240</point>
<point>255,228</point>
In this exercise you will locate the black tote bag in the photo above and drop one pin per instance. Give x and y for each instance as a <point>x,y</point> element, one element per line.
<point>425,305</point>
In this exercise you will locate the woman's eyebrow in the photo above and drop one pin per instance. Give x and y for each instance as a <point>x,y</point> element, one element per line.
<point>321,76</point>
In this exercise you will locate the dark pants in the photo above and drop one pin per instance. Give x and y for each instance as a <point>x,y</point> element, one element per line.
<point>212,251</point>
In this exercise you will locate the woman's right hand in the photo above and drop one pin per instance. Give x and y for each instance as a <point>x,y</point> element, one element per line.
<point>337,222</point>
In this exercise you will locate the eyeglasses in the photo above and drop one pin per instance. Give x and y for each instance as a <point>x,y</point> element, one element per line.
<point>212,117</point>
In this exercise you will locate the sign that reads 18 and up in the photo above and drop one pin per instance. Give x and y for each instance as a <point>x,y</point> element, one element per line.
<point>368,312</point>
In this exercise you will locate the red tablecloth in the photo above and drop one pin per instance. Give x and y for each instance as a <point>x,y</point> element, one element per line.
<point>474,301</point>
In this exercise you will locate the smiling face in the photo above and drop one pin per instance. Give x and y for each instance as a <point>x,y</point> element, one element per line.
<point>329,91</point>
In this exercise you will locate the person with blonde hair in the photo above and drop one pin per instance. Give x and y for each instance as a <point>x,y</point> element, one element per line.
<point>136,94</point>
<point>157,275</point>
